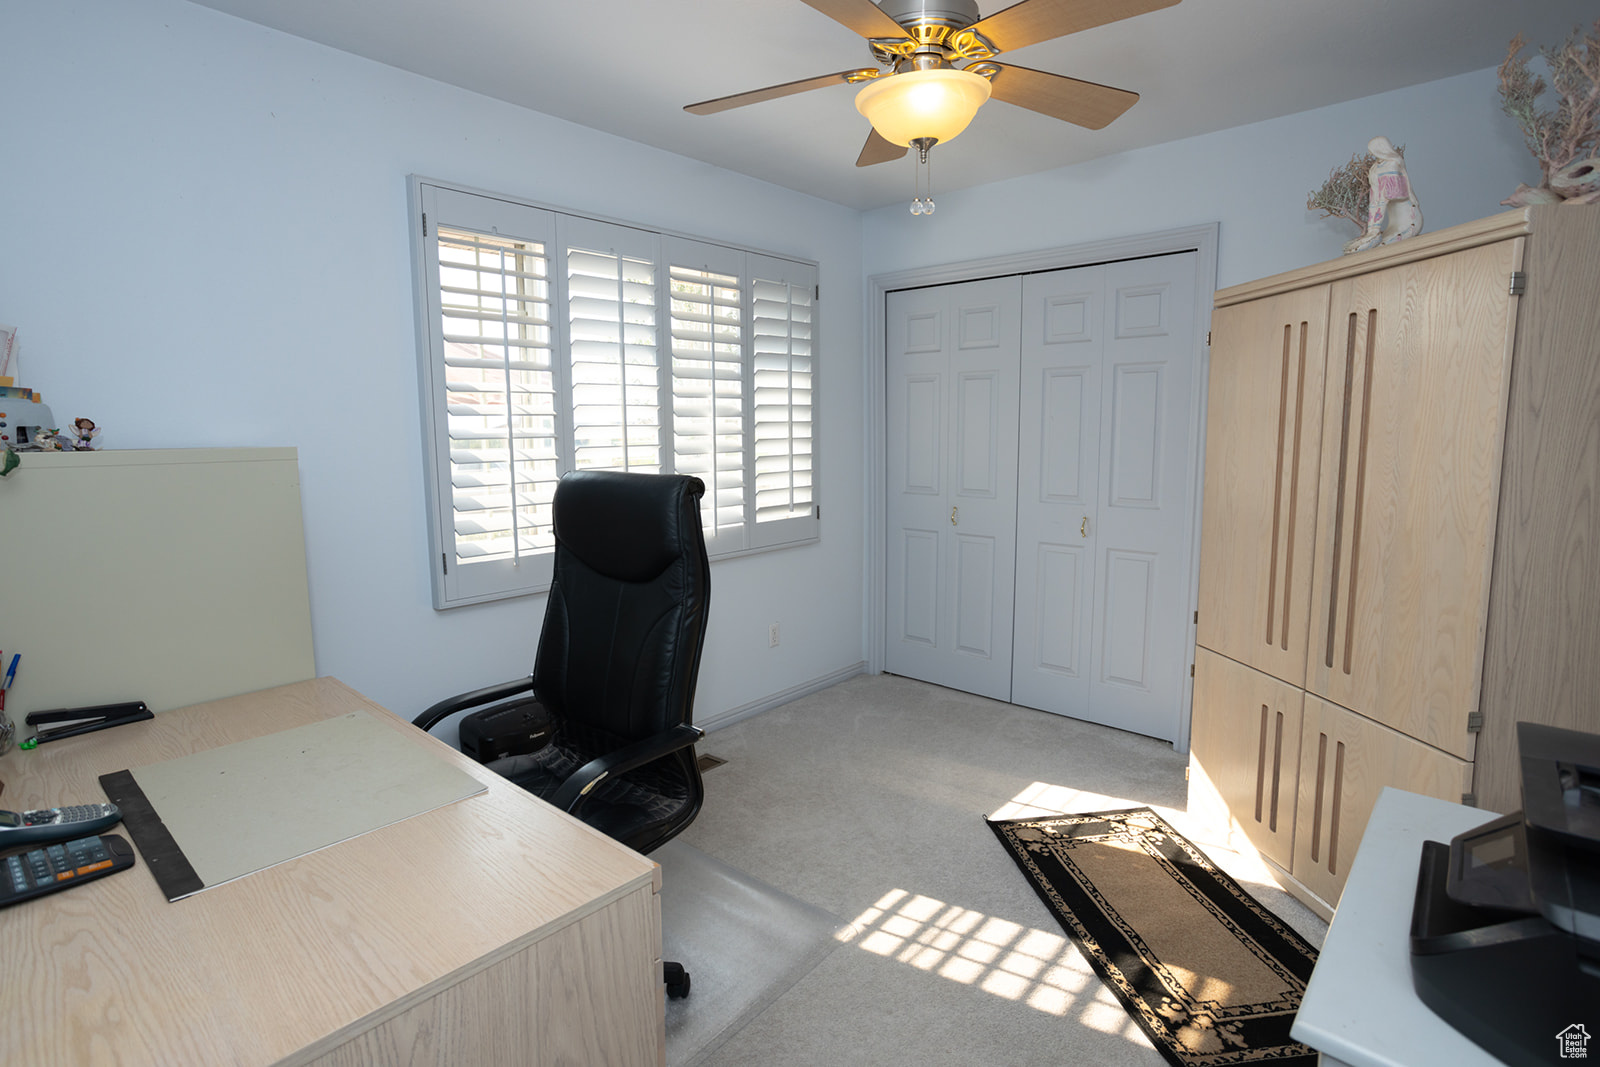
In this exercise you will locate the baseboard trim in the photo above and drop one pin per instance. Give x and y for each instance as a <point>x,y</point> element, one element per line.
<point>767,703</point>
<point>1297,889</point>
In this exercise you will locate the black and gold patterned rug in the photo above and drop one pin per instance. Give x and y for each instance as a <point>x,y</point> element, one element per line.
<point>1210,975</point>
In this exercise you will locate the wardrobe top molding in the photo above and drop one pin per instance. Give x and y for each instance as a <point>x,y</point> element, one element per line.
<point>1501,227</point>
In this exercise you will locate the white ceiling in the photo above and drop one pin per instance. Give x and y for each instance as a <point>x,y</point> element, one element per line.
<point>629,66</point>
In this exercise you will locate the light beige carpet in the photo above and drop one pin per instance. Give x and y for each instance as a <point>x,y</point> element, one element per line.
<point>866,800</point>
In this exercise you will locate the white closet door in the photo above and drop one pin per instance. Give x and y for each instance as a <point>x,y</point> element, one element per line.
<point>1063,347</point>
<point>952,454</point>
<point>1105,510</point>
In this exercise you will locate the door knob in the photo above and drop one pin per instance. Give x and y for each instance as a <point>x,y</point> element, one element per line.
<point>1083,530</point>
<point>955,516</point>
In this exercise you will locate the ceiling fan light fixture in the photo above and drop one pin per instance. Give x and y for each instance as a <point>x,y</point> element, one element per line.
<point>936,104</point>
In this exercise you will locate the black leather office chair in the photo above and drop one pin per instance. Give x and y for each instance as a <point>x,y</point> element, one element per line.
<point>617,662</point>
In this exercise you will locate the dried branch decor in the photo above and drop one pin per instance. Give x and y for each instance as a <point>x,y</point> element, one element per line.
<point>1347,192</point>
<point>1566,140</point>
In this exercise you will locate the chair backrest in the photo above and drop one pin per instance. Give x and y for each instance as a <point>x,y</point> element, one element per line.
<point>626,618</point>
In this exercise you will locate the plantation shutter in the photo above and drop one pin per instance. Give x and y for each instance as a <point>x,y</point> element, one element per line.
<point>708,382</point>
<point>494,389</point>
<point>782,302</point>
<point>615,364</point>
<point>551,342</point>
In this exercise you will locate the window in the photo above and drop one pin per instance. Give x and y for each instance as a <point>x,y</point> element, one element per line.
<point>552,342</point>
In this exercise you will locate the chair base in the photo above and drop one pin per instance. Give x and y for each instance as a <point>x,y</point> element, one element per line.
<point>677,979</point>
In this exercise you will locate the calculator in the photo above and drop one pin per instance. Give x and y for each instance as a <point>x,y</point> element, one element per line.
<point>26,873</point>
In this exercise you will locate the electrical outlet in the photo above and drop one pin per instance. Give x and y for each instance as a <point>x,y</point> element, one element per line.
<point>772,636</point>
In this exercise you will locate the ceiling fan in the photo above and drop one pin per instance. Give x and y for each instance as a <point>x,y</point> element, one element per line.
<point>936,67</point>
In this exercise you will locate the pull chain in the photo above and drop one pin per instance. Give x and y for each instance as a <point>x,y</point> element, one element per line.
<point>921,206</point>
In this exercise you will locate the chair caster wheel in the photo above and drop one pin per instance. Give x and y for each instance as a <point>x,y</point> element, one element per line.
<point>677,980</point>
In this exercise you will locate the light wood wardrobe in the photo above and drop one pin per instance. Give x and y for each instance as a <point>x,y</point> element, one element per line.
<point>1400,541</point>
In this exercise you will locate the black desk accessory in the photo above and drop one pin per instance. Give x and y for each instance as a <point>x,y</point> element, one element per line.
<point>1505,931</point>
<point>75,721</point>
<point>44,825</point>
<point>26,873</point>
<point>514,728</point>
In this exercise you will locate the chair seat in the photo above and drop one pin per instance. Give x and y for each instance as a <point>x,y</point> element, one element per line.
<point>638,807</point>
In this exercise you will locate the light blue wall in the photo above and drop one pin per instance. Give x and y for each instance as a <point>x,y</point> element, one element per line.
<point>1463,156</point>
<point>205,243</point>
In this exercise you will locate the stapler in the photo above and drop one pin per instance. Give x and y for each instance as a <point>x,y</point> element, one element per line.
<point>70,722</point>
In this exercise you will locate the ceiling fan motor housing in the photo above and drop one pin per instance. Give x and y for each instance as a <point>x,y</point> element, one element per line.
<point>956,14</point>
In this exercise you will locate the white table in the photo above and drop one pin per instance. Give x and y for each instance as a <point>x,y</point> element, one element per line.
<point>1360,1008</point>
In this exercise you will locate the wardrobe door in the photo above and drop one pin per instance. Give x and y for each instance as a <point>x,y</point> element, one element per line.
<point>952,484</point>
<point>1245,750</point>
<point>1263,436</point>
<point>1418,364</point>
<point>1345,762</point>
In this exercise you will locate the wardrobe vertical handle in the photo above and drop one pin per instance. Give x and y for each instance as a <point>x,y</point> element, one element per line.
<point>1361,490</point>
<point>1338,499</point>
<point>1277,770</point>
<point>1316,807</point>
<point>1294,480</point>
<point>1261,763</point>
<point>1358,495</point>
<point>1333,814</point>
<point>1277,504</point>
<point>1290,436</point>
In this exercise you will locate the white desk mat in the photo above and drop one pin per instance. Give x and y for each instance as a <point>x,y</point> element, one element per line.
<point>241,808</point>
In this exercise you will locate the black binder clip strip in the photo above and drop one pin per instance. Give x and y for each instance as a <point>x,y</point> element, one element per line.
<point>77,721</point>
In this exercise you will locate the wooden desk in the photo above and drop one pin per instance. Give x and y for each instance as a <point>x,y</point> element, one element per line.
<point>493,931</point>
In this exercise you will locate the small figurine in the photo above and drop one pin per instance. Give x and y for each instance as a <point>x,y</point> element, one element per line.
<point>84,432</point>
<point>48,440</point>
<point>1392,210</point>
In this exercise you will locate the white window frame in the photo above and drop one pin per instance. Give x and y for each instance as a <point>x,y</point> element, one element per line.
<point>526,569</point>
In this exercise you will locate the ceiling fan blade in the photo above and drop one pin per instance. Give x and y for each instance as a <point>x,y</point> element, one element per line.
<point>1068,99</point>
<point>773,92</point>
<point>1040,20</point>
<point>862,16</point>
<point>879,150</point>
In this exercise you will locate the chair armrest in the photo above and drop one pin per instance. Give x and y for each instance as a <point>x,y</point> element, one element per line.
<point>487,695</point>
<point>623,759</point>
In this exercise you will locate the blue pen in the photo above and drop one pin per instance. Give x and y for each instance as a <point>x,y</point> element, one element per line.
<point>11,673</point>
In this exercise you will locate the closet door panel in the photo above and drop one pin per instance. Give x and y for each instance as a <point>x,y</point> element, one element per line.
<point>1146,505</point>
<point>1058,460</point>
<point>952,457</point>
<point>1263,440</point>
<point>1105,492</point>
<point>1419,359</point>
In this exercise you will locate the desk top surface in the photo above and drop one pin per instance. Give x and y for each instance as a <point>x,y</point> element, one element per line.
<point>290,959</point>
<point>1360,1005</point>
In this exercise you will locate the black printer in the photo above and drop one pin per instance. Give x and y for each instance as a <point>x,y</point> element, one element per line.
<point>1505,932</point>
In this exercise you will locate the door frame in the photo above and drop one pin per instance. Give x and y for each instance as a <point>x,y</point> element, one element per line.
<point>1202,240</point>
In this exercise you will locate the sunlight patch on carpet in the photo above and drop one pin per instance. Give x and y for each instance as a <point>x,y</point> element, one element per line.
<point>1003,958</point>
<point>1040,799</point>
<point>1043,798</point>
